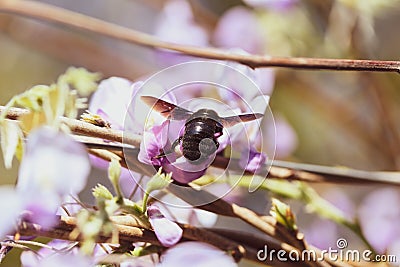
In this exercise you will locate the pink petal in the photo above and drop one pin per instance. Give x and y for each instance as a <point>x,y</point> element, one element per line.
<point>239,28</point>
<point>379,210</point>
<point>111,100</point>
<point>195,254</point>
<point>11,205</point>
<point>167,232</point>
<point>53,162</point>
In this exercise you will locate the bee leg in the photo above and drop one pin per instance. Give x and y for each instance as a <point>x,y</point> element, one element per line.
<point>176,143</point>
<point>170,151</point>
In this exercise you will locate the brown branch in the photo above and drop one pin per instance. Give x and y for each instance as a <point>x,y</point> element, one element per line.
<point>84,128</point>
<point>280,169</point>
<point>130,231</point>
<point>66,225</point>
<point>193,233</point>
<point>42,11</point>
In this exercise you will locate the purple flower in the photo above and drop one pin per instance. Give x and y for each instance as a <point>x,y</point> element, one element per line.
<point>330,229</point>
<point>175,209</point>
<point>29,259</point>
<point>64,257</point>
<point>254,160</point>
<point>179,29</point>
<point>53,162</point>
<point>341,201</point>
<point>283,134</point>
<point>167,232</point>
<point>327,239</point>
<point>143,261</point>
<point>53,166</point>
<point>379,216</point>
<point>11,205</point>
<point>155,140</point>
<point>239,28</point>
<point>111,100</point>
<point>195,254</point>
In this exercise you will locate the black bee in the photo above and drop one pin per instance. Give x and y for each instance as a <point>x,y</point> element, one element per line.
<point>202,128</point>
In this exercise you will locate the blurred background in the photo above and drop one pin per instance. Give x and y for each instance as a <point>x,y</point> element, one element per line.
<point>322,117</point>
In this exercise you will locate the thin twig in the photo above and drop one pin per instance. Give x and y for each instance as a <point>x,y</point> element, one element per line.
<point>130,231</point>
<point>84,128</point>
<point>62,16</point>
<point>279,170</point>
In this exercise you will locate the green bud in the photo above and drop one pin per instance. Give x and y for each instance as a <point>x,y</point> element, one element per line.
<point>114,172</point>
<point>283,214</point>
<point>159,181</point>
<point>95,119</point>
<point>100,191</point>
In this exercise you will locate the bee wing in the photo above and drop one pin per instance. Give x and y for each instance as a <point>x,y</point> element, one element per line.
<point>167,109</point>
<point>233,120</point>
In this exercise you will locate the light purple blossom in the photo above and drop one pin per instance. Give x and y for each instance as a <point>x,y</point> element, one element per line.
<point>379,216</point>
<point>254,162</point>
<point>167,232</point>
<point>62,254</point>
<point>53,166</point>
<point>176,25</point>
<point>175,209</point>
<point>29,259</point>
<point>155,140</point>
<point>53,162</point>
<point>185,172</point>
<point>331,231</point>
<point>341,201</point>
<point>112,99</point>
<point>238,28</point>
<point>195,254</point>
<point>286,139</point>
<point>323,241</point>
<point>143,261</point>
<point>11,205</point>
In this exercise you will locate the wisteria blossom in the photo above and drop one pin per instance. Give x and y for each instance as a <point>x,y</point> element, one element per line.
<point>179,29</point>
<point>195,254</point>
<point>120,90</point>
<point>379,210</point>
<point>11,206</point>
<point>62,254</point>
<point>175,209</point>
<point>239,28</point>
<point>53,166</point>
<point>332,231</point>
<point>167,232</point>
